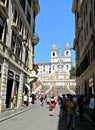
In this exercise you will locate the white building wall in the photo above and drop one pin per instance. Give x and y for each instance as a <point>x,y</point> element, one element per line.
<point>55,61</point>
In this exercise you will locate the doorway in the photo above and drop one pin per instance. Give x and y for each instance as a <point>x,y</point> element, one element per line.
<point>8,93</point>
<point>16,87</point>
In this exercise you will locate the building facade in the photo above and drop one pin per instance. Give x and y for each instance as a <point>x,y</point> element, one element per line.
<point>56,72</point>
<point>84,45</point>
<point>17,42</point>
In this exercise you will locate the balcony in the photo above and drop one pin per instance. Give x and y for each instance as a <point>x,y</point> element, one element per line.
<point>36,6</point>
<point>3,10</point>
<point>33,76</point>
<point>35,39</point>
<point>15,27</point>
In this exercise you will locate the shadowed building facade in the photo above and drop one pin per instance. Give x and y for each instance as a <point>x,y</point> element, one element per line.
<point>84,45</point>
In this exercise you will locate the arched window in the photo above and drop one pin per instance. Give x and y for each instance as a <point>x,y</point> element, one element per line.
<point>53,53</point>
<point>66,52</point>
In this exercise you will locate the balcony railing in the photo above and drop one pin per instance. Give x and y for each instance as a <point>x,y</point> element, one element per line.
<point>3,10</point>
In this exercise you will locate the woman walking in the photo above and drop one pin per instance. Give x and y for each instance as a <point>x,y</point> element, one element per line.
<point>52,106</point>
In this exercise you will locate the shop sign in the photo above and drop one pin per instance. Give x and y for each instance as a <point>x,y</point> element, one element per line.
<point>90,82</point>
<point>17,77</point>
<point>10,74</point>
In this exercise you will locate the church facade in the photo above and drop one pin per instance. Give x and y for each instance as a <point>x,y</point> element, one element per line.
<point>56,72</point>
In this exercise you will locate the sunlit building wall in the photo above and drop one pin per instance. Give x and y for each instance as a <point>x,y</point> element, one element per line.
<point>17,42</point>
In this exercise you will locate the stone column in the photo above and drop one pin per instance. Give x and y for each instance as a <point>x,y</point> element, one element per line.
<point>3,86</point>
<point>20,91</point>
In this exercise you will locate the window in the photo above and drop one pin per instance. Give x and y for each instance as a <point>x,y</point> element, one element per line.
<point>90,19</point>
<point>26,58</point>
<point>29,1</point>
<point>13,42</point>
<point>53,53</point>
<point>7,3</point>
<point>1,27</point>
<point>20,25</point>
<point>28,17</point>
<point>15,16</point>
<point>67,67</point>
<point>22,3</point>
<point>0,71</point>
<point>3,1</point>
<point>18,48</point>
<point>53,67</point>
<point>86,28</point>
<point>67,53</point>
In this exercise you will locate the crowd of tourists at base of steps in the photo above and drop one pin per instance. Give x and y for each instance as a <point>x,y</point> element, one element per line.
<point>72,106</point>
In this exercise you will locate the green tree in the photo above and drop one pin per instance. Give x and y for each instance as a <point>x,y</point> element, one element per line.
<point>73,72</point>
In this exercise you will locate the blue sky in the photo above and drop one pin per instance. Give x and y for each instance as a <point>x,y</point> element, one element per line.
<point>54,25</point>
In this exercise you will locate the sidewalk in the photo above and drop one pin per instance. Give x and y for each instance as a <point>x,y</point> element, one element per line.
<point>88,117</point>
<point>9,113</point>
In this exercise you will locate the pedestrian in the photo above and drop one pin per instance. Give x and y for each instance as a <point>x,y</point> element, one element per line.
<point>81,107</point>
<point>52,106</point>
<point>41,101</point>
<point>61,106</point>
<point>30,100</point>
<point>92,106</point>
<point>13,100</point>
<point>33,98</point>
<point>48,100</point>
<point>25,100</point>
<point>70,106</point>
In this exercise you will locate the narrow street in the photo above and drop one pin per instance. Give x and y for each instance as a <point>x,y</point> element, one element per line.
<point>40,119</point>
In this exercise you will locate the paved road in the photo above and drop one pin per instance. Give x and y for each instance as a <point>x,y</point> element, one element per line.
<point>40,119</point>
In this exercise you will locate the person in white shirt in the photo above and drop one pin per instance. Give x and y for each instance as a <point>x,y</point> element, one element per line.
<point>92,102</point>
<point>92,105</point>
<point>30,100</point>
<point>25,100</point>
